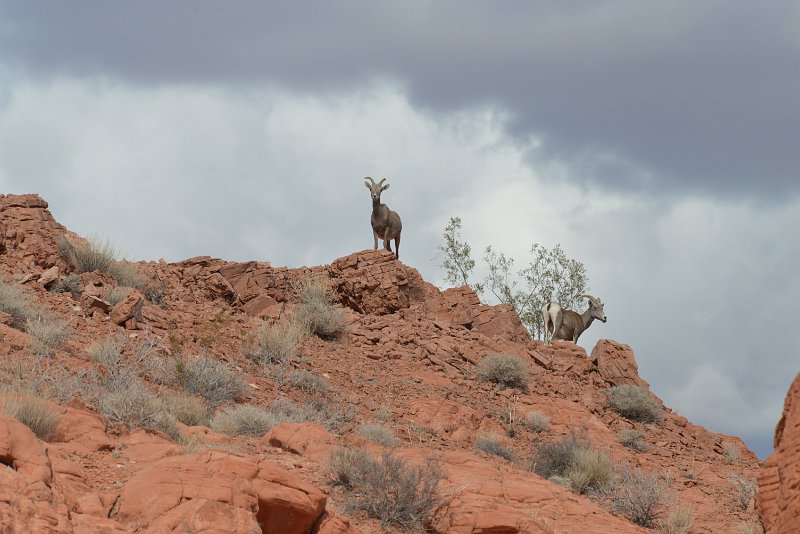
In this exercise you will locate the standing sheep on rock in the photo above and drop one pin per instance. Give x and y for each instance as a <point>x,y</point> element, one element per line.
<point>386,223</point>
<point>568,325</point>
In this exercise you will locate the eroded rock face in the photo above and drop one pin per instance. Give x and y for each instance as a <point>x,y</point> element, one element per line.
<point>220,488</point>
<point>779,481</point>
<point>616,364</point>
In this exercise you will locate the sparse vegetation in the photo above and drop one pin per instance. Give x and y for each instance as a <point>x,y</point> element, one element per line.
<point>507,371</point>
<point>87,256</point>
<point>491,444</point>
<point>680,520</point>
<point>308,382</point>
<point>187,409</point>
<point>591,470</point>
<point>571,462</point>
<point>388,489</point>
<point>635,403</point>
<point>379,434</point>
<point>536,421</point>
<point>275,343</point>
<point>243,420</point>
<point>732,452</point>
<point>135,406</point>
<point>17,302</point>
<point>207,377</point>
<point>117,294</point>
<point>47,379</point>
<point>639,496</point>
<point>116,370</point>
<point>555,459</point>
<point>321,411</point>
<point>37,414</point>
<point>47,334</point>
<point>317,311</point>
<point>746,488</point>
<point>633,439</point>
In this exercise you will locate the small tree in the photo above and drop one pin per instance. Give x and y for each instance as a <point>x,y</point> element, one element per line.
<point>550,276</point>
<point>458,263</point>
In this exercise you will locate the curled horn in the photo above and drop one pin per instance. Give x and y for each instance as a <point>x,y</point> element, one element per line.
<point>381,182</point>
<point>593,299</point>
<point>370,179</point>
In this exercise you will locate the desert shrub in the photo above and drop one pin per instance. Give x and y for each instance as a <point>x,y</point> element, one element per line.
<point>275,344</point>
<point>491,444</point>
<point>187,409</point>
<point>127,274</point>
<point>317,311</point>
<point>243,420</point>
<point>633,439</point>
<point>324,412</point>
<point>117,294</point>
<point>680,520</point>
<point>536,421</point>
<point>135,406</point>
<point>87,256</point>
<point>388,489</point>
<point>590,470</point>
<point>209,378</point>
<point>635,403</point>
<point>47,334</point>
<point>45,378</point>
<point>746,488</point>
<point>308,382</point>
<point>37,414</point>
<point>17,302</point>
<point>555,459</point>
<point>117,371</point>
<point>639,496</point>
<point>732,452</point>
<point>379,434</point>
<point>507,371</point>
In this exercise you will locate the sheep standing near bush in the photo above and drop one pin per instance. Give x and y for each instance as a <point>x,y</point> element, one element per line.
<point>386,223</point>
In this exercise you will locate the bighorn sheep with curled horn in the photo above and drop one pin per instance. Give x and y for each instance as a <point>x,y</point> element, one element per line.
<point>568,325</point>
<point>386,223</point>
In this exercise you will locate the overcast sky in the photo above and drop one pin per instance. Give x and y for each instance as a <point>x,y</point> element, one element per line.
<point>658,142</point>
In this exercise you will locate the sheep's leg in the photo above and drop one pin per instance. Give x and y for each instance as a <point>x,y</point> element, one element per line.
<point>387,240</point>
<point>397,247</point>
<point>375,235</point>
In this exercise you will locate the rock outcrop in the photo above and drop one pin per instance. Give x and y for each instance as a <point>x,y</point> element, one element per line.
<point>779,479</point>
<point>407,362</point>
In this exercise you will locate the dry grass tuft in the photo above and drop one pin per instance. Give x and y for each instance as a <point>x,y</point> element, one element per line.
<point>536,421</point>
<point>379,434</point>
<point>491,444</point>
<point>275,344</point>
<point>633,439</point>
<point>37,414</point>
<point>243,420</point>
<point>317,311</point>
<point>47,334</point>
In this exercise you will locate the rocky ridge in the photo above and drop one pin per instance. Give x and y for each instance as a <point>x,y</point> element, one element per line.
<point>408,360</point>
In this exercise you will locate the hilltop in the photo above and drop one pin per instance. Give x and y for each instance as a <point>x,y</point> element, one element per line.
<point>406,363</point>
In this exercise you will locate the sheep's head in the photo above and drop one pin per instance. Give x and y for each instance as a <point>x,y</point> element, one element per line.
<point>375,189</point>
<point>596,307</point>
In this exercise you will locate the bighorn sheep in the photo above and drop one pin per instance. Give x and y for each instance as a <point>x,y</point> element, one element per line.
<point>386,223</point>
<point>568,325</point>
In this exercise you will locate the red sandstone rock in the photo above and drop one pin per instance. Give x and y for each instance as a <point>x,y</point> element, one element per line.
<point>49,276</point>
<point>778,498</point>
<point>242,490</point>
<point>129,308</point>
<point>306,439</point>
<point>616,364</point>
